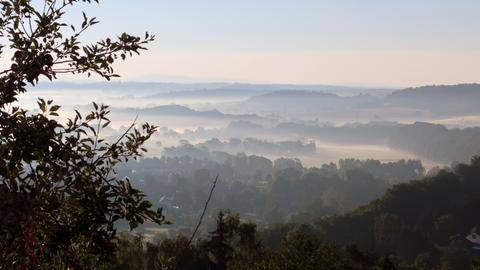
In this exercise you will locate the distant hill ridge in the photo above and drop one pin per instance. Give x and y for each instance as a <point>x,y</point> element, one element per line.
<point>440,99</point>
<point>436,90</point>
<point>179,110</point>
<point>296,93</point>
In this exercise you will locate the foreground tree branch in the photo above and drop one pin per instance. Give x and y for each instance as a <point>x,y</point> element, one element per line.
<point>60,195</point>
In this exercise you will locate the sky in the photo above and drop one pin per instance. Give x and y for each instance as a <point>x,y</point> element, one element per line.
<point>341,42</point>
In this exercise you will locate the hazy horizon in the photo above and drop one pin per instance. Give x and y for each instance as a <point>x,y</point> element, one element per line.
<point>192,81</point>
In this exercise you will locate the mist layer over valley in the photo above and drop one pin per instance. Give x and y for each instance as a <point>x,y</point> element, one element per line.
<point>258,138</point>
<point>249,135</point>
<point>317,124</point>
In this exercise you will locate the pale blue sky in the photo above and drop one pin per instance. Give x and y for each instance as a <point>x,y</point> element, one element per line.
<point>378,42</point>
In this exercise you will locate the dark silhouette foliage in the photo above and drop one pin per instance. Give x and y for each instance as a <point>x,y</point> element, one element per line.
<point>60,197</point>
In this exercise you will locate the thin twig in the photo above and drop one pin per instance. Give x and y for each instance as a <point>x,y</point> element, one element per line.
<point>204,210</point>
<point>118,140</point>
<point>183,253</point>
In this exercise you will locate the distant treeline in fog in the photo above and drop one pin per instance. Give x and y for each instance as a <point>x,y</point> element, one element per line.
<point>263,190</point>
<point>248,145</point>
<point>431,141</point>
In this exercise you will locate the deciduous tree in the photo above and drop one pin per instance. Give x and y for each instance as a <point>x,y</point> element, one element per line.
<point>60,198</point>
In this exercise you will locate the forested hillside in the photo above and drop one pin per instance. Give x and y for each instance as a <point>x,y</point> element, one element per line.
<point>422,224</point>
<point>417,220</point>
